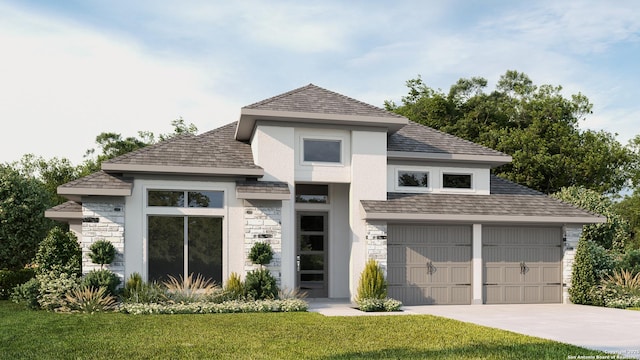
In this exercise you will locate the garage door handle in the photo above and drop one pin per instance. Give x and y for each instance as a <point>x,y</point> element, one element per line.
<point>489,284</point>
<point>554,283</point>
<point>463,284</point>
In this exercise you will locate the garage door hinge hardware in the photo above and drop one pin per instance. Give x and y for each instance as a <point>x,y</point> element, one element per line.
<point>490,284</point>
<point>463,284</point>
<point>554,283</point>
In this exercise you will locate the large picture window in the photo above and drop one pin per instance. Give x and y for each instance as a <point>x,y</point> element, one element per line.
<point>184,245</point>
<point>329,151</point>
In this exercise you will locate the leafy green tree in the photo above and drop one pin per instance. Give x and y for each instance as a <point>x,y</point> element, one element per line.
<point>629,209</point>
<point>53,173</point>
<point>612,235</point>
<point>23,200</point>
<point>60,253</point>
<point>536,125</point>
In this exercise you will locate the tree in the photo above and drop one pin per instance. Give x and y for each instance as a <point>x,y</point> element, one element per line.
<point>612,235</point>
<point>23,200</point>
<point>536,125</point>
<point>52,173</point>
<point>629,209</point>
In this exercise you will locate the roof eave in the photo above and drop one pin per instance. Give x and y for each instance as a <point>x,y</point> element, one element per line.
<point>546,219</point>
<point>492,160</point>
<point>248,118</point>
<point>63,215</point>
<point>183,170</point>
<point>65,191</point>
<point>262,196</point>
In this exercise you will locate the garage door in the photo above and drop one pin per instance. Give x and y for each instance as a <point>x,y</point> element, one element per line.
<point>522,264</point>
<point>429,264</point>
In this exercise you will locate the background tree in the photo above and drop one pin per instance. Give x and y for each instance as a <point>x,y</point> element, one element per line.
<point>23,200</point>
<point>536,125</point>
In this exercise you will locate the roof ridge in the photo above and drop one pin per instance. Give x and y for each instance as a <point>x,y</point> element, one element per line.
<point>279,96</point>
<point>458,137</point>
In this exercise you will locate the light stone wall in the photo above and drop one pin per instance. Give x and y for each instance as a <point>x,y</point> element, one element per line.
<point>262,223</point>
<point>572,234</point>
<point>377,243</point>
<point>103,219</point>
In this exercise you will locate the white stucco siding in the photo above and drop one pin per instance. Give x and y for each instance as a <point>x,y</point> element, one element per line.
<point>480,177</point>
<point>322,172</point>
<point>136,214</point>
<point>368,182</point>
<point>339,241</point>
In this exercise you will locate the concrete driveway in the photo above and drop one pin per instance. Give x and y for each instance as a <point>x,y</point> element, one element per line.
<point>610,330</point>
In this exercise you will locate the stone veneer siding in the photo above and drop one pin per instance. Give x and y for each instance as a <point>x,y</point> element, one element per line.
<point>571,236</point>
<point>377,243</point>
<point>262,223</point>
<point>103,219</point>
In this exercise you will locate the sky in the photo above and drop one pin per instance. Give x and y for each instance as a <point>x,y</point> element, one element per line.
<point>70,70</point>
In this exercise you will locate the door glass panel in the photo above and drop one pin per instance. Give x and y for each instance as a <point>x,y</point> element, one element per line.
<point>312,223</point>
<point>312,262</point>
<point>312,277</point>
<point>311,242</point>
<point>311,193</point>
<point>205,247</point>
<point>166,247</point>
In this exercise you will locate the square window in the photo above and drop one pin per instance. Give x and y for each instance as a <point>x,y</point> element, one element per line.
<point>206,199</point>
<point>413,179</point>
<point>329,151</point>
<point>165,198</point>
<point>456,181</point>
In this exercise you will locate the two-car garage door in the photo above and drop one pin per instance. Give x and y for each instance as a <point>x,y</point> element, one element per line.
<point>431,264</point>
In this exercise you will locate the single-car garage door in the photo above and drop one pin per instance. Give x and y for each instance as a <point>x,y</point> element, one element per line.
<point>522,264</point>
<point>428,264</point>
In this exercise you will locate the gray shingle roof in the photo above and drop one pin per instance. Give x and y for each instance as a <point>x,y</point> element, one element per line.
<point>99,180</point>
<point>267,187</point>
<point>65,211</point>
<point>69,206</point>
<point>314,99</point>
<point>415,137</point>
<point>213,149</point>
<point>506,199</point>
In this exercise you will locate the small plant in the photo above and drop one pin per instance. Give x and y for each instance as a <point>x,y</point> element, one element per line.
<point>146,293</point>
<point>102,252</point>
<point>624,279</point>
<point>234,288</point>
<point>294,293</point>
<point>260,284</point>
<point>372,283</point>
<point>190,289</point>
<point>631,261</point>
<point>369,305</point>
<point>27,294</point>
<point>89,300</point>
<point>133,284</point>
<point>261,253</point>
<point>102,279</point>
<point>59,252</point>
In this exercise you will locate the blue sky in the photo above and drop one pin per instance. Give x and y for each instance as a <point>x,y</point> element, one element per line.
<point>70,70</point>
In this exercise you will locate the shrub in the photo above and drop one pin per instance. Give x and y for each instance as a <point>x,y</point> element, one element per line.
<point>190,289</point>
<point>631,261</point>
<point>372,284</point>
<point>134,283</point>
<point>260,284</point>
<point>54,287</point>
<point>146,293</point>
<point>27,294</point>
<point>261,253</point>
<point>288,305</point>
<point>89,300</point>
<point>102,279</point>
<point>291,294</point>
<point>9,279</point>
<point>370,304</point>
<point>234,288</point>
<point>59,252</point>
<point>102,252</point>
<point>591,264</point>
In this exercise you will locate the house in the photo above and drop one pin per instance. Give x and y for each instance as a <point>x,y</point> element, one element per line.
<point>330,182</point>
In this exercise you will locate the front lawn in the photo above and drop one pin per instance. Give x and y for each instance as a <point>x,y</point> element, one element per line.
<point>29,334</point>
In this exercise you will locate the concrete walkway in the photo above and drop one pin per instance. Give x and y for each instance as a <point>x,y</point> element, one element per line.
<point>610,330</point>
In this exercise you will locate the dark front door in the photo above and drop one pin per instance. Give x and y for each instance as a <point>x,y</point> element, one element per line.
<point>311,248</point>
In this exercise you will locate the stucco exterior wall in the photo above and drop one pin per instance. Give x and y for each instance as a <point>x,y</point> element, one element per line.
<point>103,220</point>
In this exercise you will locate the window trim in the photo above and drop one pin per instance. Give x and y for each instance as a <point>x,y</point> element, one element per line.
<point>337,139</point>
<point>472,187</point>
<point>413,189</point>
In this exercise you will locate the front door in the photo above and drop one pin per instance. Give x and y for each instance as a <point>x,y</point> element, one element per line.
<point>311,249</point>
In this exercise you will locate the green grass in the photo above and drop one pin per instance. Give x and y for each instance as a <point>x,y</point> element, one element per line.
<point>28,334</point>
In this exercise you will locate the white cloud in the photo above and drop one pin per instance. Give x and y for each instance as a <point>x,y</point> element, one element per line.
<point>64,84</point>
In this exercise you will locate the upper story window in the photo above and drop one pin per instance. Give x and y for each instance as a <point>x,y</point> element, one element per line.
<point>191,199</point>
<point>316,150</point>
<point>456,181</point>
<point>413,179</point>
<point>311,193</point>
